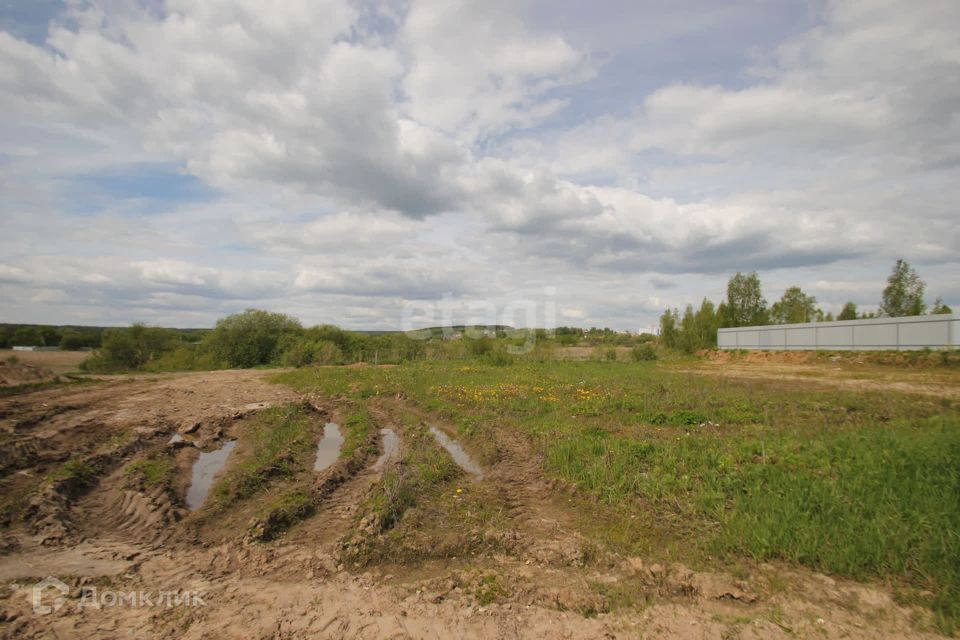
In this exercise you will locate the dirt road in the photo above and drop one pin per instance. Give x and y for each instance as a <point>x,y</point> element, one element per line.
<point>72,512</point>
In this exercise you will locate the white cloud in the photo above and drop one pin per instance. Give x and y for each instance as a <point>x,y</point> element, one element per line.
<point>359,156</point>
<point>476,69</point>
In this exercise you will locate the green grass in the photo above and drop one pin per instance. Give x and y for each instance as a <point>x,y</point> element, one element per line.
<point>74,476</point>
<point>359,429</point>
<point>491,590</point>
<point>282,513</point>
<point>74,470</point>
<point>424,468</point>
<point>277,443</point>
<point>185,358</point>
<point>151,471</point>
<point>424,508</point>
<point>853,483</point>
<point>294,503</point>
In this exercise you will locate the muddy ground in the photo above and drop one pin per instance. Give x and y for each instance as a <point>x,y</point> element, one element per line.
<point>73,510</point>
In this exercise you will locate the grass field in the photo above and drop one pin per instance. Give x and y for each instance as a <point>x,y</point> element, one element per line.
<point>706,469</point>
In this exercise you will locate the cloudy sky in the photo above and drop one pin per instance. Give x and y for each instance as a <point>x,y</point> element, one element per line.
<point>173,161</point>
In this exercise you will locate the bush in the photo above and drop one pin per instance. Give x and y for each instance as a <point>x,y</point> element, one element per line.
<point>126,349</point>
<point>643,352</point>
<point>252,338</point>
<point>185,358</point>
<point>610,354</point>
<point>302,352</point>
<point>326,352</point>
<point>481,346</point>
<point>498,358</point>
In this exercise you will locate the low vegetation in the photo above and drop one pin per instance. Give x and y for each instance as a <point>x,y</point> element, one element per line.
<point>359,431</point>
<point>152,471</point>
<point>276,443</point>
<point>257,338</point>
<point>851,483</point>
<point>294,501</point>
<point>289,508</point>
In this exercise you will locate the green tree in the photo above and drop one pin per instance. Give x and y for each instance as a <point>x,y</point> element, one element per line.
<point>903,295</point>
<point>696,330</point>
<point>794,307</point>
<point>51,336</point>
<point>27,337</point>
<point>252,338</point>
<point>939,307</point>
<point>723,316</point>
<point>72,340</point>
<point>687,337</point>
<point>849,312</point>
<point>668,328</point>
<point>746,305</point>
<point>125,349</point>
<point>707,323</point>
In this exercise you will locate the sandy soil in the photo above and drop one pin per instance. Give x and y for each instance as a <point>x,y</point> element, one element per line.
<point>16,374</point>
<point>106,535</point>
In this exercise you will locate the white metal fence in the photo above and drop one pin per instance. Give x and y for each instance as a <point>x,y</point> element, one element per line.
<point>913,332</point>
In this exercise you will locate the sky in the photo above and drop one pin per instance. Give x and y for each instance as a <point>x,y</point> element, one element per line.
<point>528,162</point>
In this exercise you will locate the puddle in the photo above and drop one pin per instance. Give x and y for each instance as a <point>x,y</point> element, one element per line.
<point>328,450</point>
<point>204,470</point>
<point>391,445</point>
<point>457,453</point>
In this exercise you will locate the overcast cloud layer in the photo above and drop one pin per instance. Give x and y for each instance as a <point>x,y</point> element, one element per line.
<point>172,162</point>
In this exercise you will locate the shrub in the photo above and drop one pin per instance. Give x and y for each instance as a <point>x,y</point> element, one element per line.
<point>498,358</point>
<point>185,358</point>
<point>125,349</point>
<point>251,338</point>
<point>302,352</point>
<point>298,353</point>
<point>326,352</point>
<point>643,352</point>
<point>481,346</point>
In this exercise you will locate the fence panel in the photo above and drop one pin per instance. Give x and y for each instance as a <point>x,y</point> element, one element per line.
<point>913,332</point>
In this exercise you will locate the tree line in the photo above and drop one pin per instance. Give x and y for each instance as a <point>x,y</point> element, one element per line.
<point>243,340</point>
<point>745,306</point>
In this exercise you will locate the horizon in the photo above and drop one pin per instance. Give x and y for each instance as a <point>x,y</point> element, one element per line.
<point>352,164</point>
